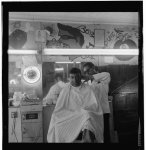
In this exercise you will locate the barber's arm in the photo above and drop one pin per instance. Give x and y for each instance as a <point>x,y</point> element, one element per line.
<point>103,77</point>
<point>49,97</point>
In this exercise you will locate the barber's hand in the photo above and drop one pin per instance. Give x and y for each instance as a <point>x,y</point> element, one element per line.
<point>88,79</point>
<point>91,77</point>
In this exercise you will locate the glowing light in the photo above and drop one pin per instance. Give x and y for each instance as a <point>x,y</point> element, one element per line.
<point>67,62</point>
<point>19,75</point>
<point>59,69</point>
<point>31,74</point>
<point>91,52</point>
<point>22,52</point>
<point>13,81</point>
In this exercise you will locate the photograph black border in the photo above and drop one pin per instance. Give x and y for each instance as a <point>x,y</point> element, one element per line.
<point>68,6</point>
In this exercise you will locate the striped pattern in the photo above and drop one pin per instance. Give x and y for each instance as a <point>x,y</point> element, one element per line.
<point>76,109</point>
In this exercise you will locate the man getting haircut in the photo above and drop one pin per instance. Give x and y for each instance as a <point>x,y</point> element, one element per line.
<point>77,113</point>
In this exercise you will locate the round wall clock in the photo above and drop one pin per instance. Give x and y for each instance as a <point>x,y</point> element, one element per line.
<point>31,74</point>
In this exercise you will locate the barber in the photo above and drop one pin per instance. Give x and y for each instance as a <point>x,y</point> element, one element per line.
<point>99,82</point>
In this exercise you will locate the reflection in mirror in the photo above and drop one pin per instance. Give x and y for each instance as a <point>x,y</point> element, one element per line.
<point>52,69</point>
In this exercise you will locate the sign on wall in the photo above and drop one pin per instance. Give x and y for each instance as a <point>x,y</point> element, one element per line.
<point>99,38</point>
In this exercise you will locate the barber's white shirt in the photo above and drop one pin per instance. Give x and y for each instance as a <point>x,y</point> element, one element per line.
<point>100,86</point>
<point>54,93</point>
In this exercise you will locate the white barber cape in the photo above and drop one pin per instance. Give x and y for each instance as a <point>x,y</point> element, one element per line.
<point>75,107</point>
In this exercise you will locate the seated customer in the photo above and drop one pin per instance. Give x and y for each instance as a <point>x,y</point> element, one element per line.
<point>77,113</point>
<point>54,91</point>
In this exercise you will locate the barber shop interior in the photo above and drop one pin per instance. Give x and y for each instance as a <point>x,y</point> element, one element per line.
<point>73,77</point>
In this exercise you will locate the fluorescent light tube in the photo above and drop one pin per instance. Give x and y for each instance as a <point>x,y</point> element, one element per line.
<point>22,52</point>
<point>91,52</point>
<point>59,69</point>
<point>67,62</point>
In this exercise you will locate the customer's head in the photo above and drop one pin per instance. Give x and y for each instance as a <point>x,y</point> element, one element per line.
<point>58,77</point>
<point>75,77</point>
<point>89,69</point>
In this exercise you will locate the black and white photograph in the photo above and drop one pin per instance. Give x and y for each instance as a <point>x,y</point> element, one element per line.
<point>74,77</point>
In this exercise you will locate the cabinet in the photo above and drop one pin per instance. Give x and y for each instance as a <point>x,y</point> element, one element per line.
<point>25,124</point>
<point>31,118</point>
<point>32,132</point>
